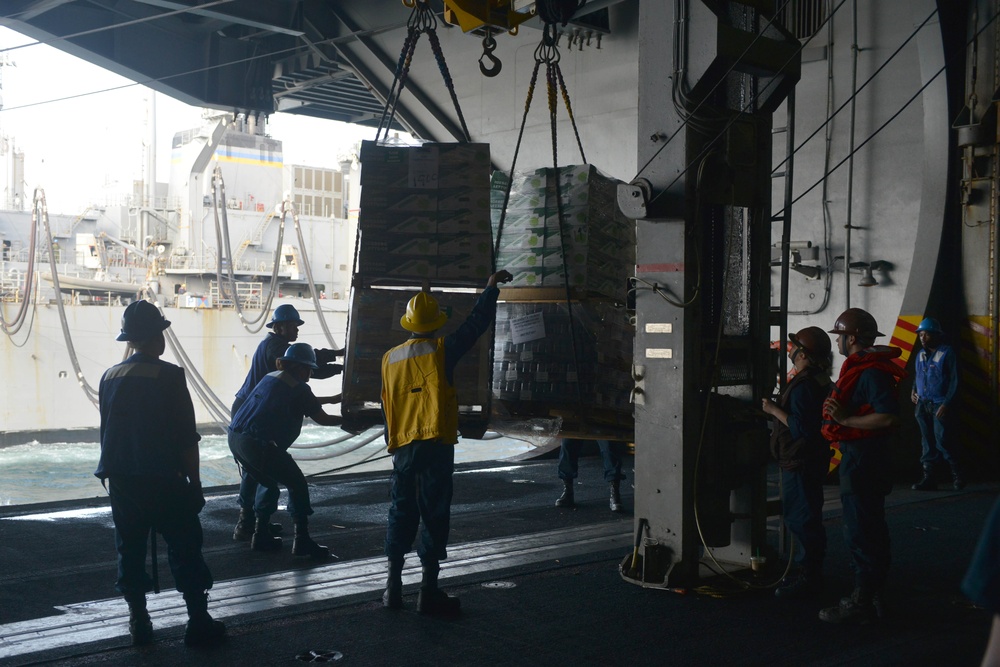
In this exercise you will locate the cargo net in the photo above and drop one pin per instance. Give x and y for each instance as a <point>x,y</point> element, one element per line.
<point>535,374</point>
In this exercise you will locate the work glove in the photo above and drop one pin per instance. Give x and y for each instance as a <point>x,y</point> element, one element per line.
<point>328,356</point>
<point>192,498</point>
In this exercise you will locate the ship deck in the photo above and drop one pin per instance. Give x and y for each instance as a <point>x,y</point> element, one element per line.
<point>539,586</point>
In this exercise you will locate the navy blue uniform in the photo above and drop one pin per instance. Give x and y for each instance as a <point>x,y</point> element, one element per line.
<point>147,425</point>
<point>982,581</point>
<point>803,456</point>
<point>264,361</point>
<point>261,432</point>
<point>422,470</point>
<point>865,481</point>
<point>611,456</point>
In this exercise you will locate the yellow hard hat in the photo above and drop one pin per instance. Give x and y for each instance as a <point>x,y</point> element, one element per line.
<point>423,314</point>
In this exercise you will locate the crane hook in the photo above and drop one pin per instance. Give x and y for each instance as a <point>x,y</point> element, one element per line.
<point>489,46</point>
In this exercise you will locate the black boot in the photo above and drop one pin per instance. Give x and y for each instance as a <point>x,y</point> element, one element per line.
<point>262,539</point>
<point>393,596</point>
<point>958,482</point>
<point>246,525</point>
<point>616,497</point>
<point>432,600</point>
<point>927,483</point>
<point>303,545</point>
<point>857,609</point>
<point>807,586</point>
<point>201,627</point>
<point>139,624</point>
<point>566,499</point>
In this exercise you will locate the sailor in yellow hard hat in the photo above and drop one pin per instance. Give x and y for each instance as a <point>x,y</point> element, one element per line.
<point>421,420</point>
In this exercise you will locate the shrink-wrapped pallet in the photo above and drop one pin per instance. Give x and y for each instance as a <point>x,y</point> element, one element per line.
<point>374,329</point>
<point>425,214</point>
<point>537,371</point>
<point>593,242</point>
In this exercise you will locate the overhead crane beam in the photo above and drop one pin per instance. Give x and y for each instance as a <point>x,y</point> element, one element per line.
<point>270,17</point>
<point>449,130</point>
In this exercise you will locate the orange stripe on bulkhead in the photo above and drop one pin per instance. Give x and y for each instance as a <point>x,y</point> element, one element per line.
<point>904,336</point>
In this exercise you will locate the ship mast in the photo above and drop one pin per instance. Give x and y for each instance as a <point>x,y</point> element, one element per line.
<point>150,184</point>
<point>13,160</point>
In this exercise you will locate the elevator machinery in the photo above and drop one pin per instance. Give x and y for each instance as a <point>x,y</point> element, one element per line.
<point>711,75</point>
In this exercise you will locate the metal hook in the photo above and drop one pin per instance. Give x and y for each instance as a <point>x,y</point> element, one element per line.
<point>489,45</point>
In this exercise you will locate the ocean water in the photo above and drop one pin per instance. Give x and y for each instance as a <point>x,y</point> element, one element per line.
<point>39,473</point>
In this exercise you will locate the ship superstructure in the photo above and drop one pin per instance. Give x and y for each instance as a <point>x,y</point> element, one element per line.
<point>228,236</point>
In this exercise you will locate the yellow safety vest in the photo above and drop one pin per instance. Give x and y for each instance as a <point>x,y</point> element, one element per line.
<point>418,400</point>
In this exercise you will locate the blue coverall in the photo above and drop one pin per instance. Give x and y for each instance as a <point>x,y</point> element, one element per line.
<point>936,383</point>
<point>260,434</point>
<point>264,361</point>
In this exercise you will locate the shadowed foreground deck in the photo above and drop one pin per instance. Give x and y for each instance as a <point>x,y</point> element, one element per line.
<point>539,586</point>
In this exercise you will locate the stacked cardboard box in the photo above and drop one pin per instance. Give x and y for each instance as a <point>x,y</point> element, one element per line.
<point>374,328</point>
<point>535,367</point>
<point>425,213</point>
<point>593,242</point>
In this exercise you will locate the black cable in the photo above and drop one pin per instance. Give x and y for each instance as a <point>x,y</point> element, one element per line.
<point>721,79</point>
<point>741,112</point>
<point>862,87</point>
<point>895,115</point>
<point>558,11</point>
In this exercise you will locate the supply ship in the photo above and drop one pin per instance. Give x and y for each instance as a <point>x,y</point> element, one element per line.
<point>234,233</point>
<point>781,161</point>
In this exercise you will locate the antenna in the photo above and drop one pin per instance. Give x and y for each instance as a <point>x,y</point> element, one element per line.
<point>5,61</point>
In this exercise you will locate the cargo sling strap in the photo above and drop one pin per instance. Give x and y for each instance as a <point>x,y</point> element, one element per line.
<point>547,53</point>
<point>422,20</point>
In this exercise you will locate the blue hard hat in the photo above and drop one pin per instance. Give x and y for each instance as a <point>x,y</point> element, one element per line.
<point>301,353</point>
<point>285,313</point>
<point>141,321</point>
<point>931,325</point>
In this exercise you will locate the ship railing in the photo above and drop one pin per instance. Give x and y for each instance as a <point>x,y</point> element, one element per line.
<point>10,286</point>
<point>207,264</point>
<point>249,294</point>
<point>141,201</point>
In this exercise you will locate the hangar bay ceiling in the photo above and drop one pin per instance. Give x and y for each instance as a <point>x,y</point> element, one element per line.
<point>316,58</point>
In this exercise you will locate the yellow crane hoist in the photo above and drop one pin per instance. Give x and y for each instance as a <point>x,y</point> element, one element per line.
<point>492,15</point>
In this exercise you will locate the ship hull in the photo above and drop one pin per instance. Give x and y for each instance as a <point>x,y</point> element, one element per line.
<point>42,397</point>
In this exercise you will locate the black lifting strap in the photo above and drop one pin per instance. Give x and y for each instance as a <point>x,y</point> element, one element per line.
<point>547,52</point>
<point>422,20</point>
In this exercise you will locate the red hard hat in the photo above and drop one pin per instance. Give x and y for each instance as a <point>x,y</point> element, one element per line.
<point>856,322</point>
<point>813,341</point>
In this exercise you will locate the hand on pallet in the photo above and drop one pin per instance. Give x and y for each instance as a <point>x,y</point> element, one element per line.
<point>501,276</point>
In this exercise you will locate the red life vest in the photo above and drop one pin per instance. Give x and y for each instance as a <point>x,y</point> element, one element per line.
<point>878,356</point>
